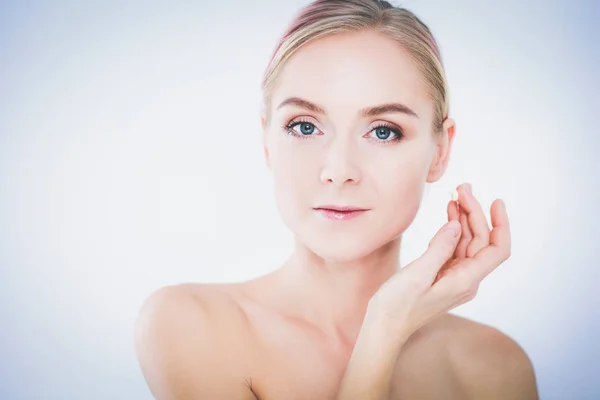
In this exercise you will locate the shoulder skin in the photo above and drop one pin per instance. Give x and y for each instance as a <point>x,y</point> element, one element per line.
<point>188,345</point>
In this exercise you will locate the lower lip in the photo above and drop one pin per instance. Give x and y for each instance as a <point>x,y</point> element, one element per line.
<point>340,215</point>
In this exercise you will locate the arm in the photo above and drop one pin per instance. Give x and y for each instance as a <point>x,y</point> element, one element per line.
<point>371,366</point>
<point>182,353</point>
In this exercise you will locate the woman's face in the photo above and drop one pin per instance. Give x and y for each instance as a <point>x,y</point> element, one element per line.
<point>351,126</point>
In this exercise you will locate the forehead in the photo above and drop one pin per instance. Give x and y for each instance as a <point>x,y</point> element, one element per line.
<point>354,70</point>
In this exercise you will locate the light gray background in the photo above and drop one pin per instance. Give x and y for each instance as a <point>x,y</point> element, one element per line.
<point>130,159</point>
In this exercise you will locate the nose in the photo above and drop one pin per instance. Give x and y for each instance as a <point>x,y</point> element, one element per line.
<point>340,166</point>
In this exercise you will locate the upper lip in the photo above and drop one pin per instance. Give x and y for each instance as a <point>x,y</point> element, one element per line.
<point>340,208</point>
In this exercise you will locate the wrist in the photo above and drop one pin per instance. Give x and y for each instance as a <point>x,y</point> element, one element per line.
<point>370,370</point>
<point>380,339</point>
<point>388,327</point>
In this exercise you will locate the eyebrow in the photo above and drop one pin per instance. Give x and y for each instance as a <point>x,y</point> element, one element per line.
<point>365,112</point>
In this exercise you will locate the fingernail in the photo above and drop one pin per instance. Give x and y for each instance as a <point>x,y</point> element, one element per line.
<point>469,188</point>
<point>453,227</point>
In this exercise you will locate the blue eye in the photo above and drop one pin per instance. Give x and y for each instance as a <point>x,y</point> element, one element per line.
<point>384,133</point>
<point>301,129</point>
<point>306,128</point>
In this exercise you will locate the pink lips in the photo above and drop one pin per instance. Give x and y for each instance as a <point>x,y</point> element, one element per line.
<point>340,213</point>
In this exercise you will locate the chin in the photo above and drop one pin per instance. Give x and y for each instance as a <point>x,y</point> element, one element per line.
<point>342,247</point>
<point>343,241</point>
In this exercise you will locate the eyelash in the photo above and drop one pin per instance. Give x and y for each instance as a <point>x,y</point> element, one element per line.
<point>398,134</point>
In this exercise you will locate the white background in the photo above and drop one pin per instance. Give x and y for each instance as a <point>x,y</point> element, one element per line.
<point>130,159</point>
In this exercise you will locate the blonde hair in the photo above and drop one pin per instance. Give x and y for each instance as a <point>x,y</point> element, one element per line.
<point>325,17</point>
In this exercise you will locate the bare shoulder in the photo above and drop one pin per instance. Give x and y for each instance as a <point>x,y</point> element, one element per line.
<point>190,343</point>
<point>190,303</point>
<point>486,362</point>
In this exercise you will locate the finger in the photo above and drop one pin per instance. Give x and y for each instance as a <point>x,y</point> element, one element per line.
<point>460,283</point>
<point>477,221</point>
<point>453,212</point>
<point>498,251</point>
<point>440,249</point>
<point>466,236</point>
<point>453,215</point>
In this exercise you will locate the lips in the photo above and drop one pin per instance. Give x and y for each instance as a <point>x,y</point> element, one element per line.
<point>340,213</point>
<point>340,208</point>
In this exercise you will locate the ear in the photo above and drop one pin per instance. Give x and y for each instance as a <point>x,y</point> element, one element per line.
<point>442,152</point>
<point>264,126</point>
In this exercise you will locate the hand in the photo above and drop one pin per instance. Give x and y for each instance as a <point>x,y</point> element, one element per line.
<point>448,274</point>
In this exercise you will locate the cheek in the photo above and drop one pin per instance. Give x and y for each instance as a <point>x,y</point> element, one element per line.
<point>402,181</point>
<point>404,201</point>
<point>399,189</point>
<point>293,168</point>
<point>295,175</point>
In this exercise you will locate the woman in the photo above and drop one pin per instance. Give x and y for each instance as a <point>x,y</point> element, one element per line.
<point>355,123</point>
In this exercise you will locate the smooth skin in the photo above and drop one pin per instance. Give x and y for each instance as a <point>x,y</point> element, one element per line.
<point>340,320</point>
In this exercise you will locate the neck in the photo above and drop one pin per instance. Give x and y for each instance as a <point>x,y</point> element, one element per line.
<point>334,295</point>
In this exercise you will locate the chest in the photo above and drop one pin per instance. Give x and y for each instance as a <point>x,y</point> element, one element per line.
<point>297,365</point>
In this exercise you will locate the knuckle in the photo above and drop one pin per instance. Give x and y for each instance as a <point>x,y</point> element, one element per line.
<point>436,257</point>
<point>502,253</point>
<point>447,248</point>
<point>436,246</point>
<point>505,253</point>
<point>470,295</point>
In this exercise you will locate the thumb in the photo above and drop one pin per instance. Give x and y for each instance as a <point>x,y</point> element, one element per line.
<point>440,249</point>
